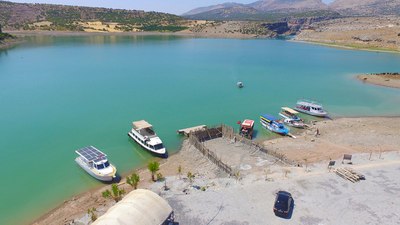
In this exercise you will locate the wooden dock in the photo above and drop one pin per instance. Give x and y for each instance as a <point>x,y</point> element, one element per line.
<point>187,131</point>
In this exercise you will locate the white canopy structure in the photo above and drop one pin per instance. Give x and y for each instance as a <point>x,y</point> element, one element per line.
<point>141,124</point>
<point>139,207</point>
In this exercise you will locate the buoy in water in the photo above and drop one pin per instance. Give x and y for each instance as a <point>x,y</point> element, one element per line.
<point>240,84</point>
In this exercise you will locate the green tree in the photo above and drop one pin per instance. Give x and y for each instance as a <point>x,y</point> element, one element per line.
<point>179,171</point>
<point>190,176</point>
<point>92,214</point>
<point>133,180</point>
<point>115,193</point>
<point>153,168</point>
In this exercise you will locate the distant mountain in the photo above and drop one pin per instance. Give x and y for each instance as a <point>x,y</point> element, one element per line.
<point>260,10</point>
<point>60,17</point>
<point>291,5</point>
<point>367,7</point>
<point>265,9</point>
<point>210,8</point>
<point>239,12</point>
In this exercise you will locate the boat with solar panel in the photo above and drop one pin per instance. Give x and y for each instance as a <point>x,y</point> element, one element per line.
<point>271,123</point>
<point>95,162</point>
<point>311,107</point>
<point>143,133</point>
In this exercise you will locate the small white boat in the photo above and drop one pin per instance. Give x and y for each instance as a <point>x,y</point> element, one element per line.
<point>95,162</point>
<point>290,118</point>
<point>294,123</point>
<point>142,132</point>
<point>240,84</point>
<point>311,107</point>
<point>288,113</point>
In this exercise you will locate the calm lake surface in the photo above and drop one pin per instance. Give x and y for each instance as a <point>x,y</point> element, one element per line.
<point>58,94</point>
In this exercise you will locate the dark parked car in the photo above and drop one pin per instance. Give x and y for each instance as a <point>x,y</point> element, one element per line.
<point>283,204</point>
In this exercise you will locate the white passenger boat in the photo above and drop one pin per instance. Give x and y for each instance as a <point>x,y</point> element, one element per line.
<point>95,162</point>
<point>311,107</point>
<point>143,133</point>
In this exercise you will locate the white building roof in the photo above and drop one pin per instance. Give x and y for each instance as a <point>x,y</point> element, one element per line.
<point>139,207</point>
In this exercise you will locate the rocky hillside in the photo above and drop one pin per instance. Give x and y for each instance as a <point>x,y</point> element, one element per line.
<point>267,9</point>
<point>374,33</point>
<point>15,16</point>
<point>367,7</point>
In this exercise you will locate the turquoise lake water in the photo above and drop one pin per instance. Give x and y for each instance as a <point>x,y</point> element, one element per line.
<point>58,94</point>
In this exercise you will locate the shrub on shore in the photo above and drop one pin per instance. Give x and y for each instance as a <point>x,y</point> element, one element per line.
<point>115,193</point>
<point>133,180</point>
<point>153,168</point>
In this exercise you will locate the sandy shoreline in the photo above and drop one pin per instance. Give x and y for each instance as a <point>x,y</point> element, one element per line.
<point>386,80</point>
<point>344,46</point>
<point>185,33</point>
<point>371,135</point>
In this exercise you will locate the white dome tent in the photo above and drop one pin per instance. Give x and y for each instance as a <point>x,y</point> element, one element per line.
<point>139,207</point>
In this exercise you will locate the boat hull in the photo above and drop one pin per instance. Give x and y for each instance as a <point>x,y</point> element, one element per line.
<point>105,178</point>
<point>161,153</point>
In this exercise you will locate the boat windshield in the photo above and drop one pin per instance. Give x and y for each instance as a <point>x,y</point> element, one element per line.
<point>158,146</point>
<point>102,166</point>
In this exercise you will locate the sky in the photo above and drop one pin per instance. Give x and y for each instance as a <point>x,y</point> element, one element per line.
<point>177,7</point>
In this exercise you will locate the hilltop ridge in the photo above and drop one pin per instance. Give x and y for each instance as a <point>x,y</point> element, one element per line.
<point>16,16</point>
<point>275,8</point>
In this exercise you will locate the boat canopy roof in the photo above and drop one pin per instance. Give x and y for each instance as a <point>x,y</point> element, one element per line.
<point>141,124</point>
<point>248,123</point>
<point>268,117</point>
<point>306,102</point>
<point>91,153</point>
<point>140,206</point>
<point>292,111</point>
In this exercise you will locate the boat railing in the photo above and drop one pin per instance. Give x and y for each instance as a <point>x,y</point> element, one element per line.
<point>309,101</point>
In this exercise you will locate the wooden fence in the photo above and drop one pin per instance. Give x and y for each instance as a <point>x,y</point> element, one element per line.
<point>229,133</point>
<point>193,139</point>
<point>198,137</point>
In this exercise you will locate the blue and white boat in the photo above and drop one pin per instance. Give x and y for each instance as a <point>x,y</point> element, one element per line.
<point>271,123</point>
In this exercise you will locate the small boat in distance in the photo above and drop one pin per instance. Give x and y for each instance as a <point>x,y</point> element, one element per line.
<point>95,162</point>
<point>310,107</point>
<point>269,122</point>
<point>142,132</point>
<point>240,84</point>
<point>246,128</point>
